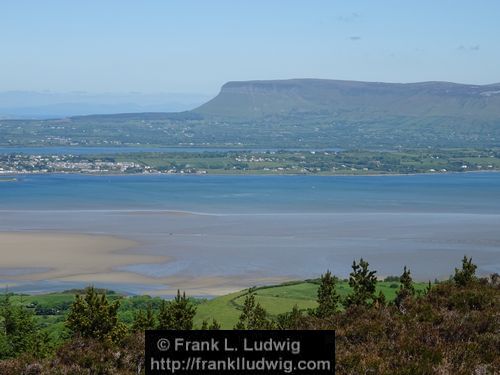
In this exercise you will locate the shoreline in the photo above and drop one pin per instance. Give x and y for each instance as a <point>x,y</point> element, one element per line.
<point>180,213</point>
<point>12,176</point>
<point>58,261</point>
<point>215,250</point>
<point>73,258</point>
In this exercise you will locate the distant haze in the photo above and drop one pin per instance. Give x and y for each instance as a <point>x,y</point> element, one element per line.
<point>42,105</point>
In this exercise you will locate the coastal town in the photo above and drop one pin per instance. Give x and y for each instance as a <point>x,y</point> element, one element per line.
<point>27,164</point>
<point>256,162</point>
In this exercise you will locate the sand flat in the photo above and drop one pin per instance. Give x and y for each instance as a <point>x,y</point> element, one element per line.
<point>60,255</point>
<point>207,285</point>
<point>95,259</point>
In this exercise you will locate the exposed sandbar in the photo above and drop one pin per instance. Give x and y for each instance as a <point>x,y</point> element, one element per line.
<point>61,255</point>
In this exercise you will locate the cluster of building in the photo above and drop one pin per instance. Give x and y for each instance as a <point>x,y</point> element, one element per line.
<point>22,164</point>
<point>29,164</point>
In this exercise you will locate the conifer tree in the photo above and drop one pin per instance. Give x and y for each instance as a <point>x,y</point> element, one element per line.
<point>18,331</point>
<point>93,316</point>
<point>213,326</point>
<point>467,274</point>
<point>164,319</point>
<point>176,314</point>
<point>406,288</point>
<point>144,320</point>
<point>363,283</point>
<point>204,325</point>
<point>328,298</point>
<point>290,320</point>
<point>253,316</point>
<point>428,288</point>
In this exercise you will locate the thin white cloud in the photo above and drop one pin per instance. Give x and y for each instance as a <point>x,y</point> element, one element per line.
<point>474,47</point>
<point>349,18</point>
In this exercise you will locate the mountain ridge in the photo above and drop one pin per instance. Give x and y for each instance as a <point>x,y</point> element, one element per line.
<point>261,98</point>
<point>297,113</point>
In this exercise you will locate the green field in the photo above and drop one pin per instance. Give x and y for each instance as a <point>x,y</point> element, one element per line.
<point>357,162</point>
<point>279,299</point>
<point>51,309</point>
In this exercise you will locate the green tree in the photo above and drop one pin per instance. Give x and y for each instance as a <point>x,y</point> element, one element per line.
<point>363,283</point>
<point>19,332</point>
<point>290,320</point>
<point>93,316</point>
<point>328,298</point>
<point>406,288</point>
<point>253,316</point>
<point>213,326</point>
<point>467,274</point>
<point>380,300</point>
<point>144,319</point>
<point>428,288</point>
<point>176,314</point>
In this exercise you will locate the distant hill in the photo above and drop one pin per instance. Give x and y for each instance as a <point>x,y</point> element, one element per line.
<point>296,113</point>
<point>46,104</point>
<point>352,100</point>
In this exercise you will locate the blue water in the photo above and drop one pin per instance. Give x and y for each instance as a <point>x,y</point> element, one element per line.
<point>467,193</point>
<point>77,150</point>
<point>256,227</point>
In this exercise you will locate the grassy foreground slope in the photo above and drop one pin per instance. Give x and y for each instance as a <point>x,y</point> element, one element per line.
<point>51,309</point>
<point>280,299</point>
<point>451,327</point>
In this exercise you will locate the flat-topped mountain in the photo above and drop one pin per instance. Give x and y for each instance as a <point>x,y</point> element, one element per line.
<point>353,100</point>
<point>296,113</point>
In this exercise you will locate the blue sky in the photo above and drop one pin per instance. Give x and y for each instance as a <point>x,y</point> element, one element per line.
<point>195,46</point>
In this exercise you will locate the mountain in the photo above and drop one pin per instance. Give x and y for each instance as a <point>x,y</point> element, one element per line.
<point>297,113</point>
<point>352,100</point>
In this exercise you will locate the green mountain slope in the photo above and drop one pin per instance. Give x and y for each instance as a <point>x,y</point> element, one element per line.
<point>353,100</point>
<point>298,113</point>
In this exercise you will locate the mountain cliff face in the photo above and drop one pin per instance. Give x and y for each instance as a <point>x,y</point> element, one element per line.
<point>351,100</point>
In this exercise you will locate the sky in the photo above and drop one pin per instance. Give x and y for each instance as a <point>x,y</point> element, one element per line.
<point>188,46</point>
